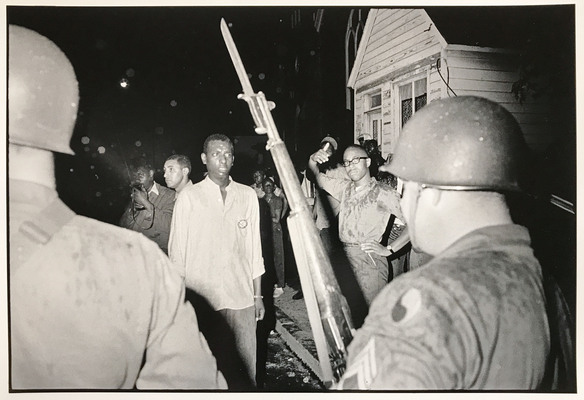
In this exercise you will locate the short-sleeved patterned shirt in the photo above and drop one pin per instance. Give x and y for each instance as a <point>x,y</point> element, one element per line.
<point>365,211</point>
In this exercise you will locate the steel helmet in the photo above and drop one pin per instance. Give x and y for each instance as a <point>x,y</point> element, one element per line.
<point>461,143</point>
<point>43,93</point>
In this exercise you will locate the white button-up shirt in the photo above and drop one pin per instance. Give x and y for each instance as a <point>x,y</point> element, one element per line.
<point>216,244</point>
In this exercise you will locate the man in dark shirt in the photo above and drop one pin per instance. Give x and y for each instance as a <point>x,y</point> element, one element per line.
<point>150,208</point>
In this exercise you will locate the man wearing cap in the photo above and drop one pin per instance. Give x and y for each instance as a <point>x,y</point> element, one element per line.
<point>92,306</point>
<point>364,211</point>
<point>473,317</point>
<point>364,137</point>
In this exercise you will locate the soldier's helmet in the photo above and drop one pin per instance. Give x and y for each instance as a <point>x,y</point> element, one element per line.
<point>461,143</point>
<point>43,93</point>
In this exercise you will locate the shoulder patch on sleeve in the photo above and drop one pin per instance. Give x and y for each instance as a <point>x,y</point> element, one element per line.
<point>407,306</point>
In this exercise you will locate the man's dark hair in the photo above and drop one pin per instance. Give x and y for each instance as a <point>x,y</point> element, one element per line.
<point>217,136</point>
<point>182,160</point>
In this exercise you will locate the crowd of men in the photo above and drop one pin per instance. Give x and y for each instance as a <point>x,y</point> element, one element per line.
<point>94,306</point>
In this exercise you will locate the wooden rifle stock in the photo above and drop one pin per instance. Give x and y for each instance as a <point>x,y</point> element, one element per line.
<point>329,313</point>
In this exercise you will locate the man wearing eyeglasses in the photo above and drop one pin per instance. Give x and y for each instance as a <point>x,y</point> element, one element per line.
<point>365,208</point>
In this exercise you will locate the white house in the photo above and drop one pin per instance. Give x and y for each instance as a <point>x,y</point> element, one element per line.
<point>405,61</point>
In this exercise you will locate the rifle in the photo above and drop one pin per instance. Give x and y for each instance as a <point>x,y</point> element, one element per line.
<point>328,311</point>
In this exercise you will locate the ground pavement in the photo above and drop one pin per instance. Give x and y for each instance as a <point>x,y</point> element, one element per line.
<point>293,326</point>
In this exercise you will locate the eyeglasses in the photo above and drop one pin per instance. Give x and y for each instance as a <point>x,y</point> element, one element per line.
<point>354,161</point>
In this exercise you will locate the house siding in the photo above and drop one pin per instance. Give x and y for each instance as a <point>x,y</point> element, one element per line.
<point>491,73</point>
<point>399,38</point>
<point>404,43</point>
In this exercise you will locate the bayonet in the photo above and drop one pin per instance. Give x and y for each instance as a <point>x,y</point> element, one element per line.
<point>236,59</point>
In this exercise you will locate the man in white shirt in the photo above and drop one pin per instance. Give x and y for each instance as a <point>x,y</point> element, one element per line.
<point>215,241</point>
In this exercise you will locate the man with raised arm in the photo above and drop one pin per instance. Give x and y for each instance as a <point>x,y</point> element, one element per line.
<point>364,211</point>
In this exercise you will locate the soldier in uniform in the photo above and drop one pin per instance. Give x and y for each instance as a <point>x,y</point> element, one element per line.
<point>474,317</point>
<point>92,306</point>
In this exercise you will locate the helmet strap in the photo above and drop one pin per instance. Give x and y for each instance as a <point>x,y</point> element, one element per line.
<point>419,189</point>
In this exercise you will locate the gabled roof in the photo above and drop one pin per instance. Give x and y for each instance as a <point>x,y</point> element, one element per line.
<point>503,27</point>
<point>371,19</point>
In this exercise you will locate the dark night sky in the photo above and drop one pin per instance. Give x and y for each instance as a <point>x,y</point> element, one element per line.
<point>183,87</point>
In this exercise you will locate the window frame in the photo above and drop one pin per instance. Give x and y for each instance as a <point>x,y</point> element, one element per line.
<point>372,114</point>
<point>410,80</point>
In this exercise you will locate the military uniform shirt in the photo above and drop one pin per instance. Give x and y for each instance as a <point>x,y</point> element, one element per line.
<point>98,307</point>
<point>472,318</point>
